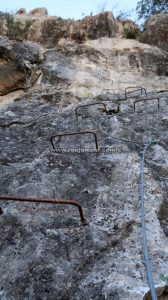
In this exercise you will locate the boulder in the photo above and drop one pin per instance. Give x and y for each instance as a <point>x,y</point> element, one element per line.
<point>21,11</point>
<point>18,65</point>
<point>39,12</point>
<point>55,29</point>
<point>156,31</point>
<point>129,29</point>
<point>162,294</point>
<point>27,50</point>
<point>50,31</point>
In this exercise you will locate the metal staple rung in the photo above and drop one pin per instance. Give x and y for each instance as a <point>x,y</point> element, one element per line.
<point>75,133</point>
<point>50,201</point>
<point>135,89</point>
<point>91,104</point>
<point>140,100</point>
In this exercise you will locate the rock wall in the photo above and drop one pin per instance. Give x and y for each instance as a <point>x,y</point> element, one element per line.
<point>49,31</point>
<point>106,64</point>
<point>85,69</point>
<point>46,253</point>
<point>156,31</point>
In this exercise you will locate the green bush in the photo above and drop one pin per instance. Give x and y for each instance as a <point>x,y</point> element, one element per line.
<point>14,29</point>
<point>2,21</point>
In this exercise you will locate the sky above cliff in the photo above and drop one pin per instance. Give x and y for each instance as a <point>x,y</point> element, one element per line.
<point>69,8</point>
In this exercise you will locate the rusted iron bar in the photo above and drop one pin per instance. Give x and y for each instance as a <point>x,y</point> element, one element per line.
<point>139,100</point>
<point>139,89</point>
<point>108,91</point>
<point>75,133</point>
<point>135,89</point>
<point>86,105</point>
<point>50,201</point>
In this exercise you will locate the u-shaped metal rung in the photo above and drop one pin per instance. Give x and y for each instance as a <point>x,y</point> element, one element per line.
<point>86,105</point>
<point>158,99</point>
<point>75,133</point>
<point>135,89</point>
<point>35,200</point>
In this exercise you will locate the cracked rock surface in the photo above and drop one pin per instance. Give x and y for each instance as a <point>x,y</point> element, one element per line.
<point>46,253</point>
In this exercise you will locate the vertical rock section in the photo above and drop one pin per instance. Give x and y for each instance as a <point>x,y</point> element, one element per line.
<point>18,65</point>
<point>156,31</point>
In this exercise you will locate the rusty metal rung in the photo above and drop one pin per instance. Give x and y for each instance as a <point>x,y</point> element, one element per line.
<point>75,133</point>
<point>135,89</point>
<point>91,104</point>
<point>50,201</point>
<point>140,100</point>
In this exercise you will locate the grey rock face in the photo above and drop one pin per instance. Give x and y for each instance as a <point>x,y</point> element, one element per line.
<point>45,251</point>
<point>19,65</point>
<point>27,50</point>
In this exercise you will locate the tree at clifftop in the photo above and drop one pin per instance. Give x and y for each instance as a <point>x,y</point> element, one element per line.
<point>146,8</point>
